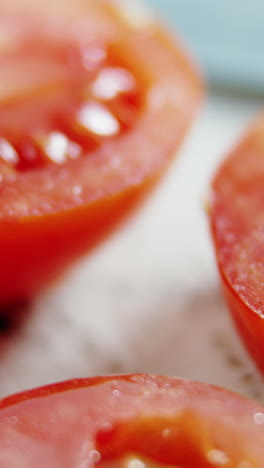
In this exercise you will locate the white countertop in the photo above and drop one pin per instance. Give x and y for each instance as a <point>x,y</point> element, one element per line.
<point>148,300</point>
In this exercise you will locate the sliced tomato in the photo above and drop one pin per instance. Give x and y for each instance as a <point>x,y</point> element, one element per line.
<point>93,104</point>
<point>237,219</point>
<point>135,421</point>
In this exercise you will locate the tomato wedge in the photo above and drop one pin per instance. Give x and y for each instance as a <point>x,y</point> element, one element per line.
<point>237,220</point>
<point>93,103</point>
<point>134,421</point>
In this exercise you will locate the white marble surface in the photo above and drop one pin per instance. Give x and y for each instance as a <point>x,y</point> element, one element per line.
<point>148,300</point>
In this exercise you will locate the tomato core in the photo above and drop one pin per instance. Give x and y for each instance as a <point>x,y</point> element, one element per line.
<point>83,94</point>
<point>158,443</point>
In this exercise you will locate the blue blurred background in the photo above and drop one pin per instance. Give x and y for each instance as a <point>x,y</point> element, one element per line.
<point>226,36</point>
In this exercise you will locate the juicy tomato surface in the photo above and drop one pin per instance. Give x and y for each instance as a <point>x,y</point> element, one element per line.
<point>93,103</point>
<point>133,421</point>
<point>237,220</point>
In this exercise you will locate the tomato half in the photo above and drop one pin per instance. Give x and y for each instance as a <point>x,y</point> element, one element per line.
<point>93,103</point>
<point>237,219</point>
<point>135,421</point>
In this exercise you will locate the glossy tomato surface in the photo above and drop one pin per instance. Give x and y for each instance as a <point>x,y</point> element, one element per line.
<point>94,101</point>
<point>237,219</point>
<point>131,421</point>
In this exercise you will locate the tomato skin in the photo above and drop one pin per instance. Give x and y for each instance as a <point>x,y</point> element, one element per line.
<point>35,251</point>
<point>236,218</point>
<point>42,232</point>
<point>164,420</point>
<point>248,323</point>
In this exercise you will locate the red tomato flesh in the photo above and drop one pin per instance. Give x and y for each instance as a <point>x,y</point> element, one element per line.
<point>82,93</point>
<point>135,421</point>
<point>238,230</point>
<point>92,108</point>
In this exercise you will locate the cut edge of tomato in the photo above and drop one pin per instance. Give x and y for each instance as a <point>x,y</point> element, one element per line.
<point>247,317</point>
<point>67,385</point>
<point>214,197</point>
<point>180,411</point>
<point>141,379</point>
<point>247,320</point>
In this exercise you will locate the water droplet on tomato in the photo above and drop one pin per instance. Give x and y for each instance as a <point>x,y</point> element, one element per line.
<point>166,433</point>
<point>106,426</point>
<point>11,419</point>
<point>136,463</point>
<point>14,419</point>
<point>115,161</point>
<point>77,190</point>
<point>111,82</point>
<point>74,150</point>
<point>218,457</point>
<point>56,147</point>
<point>94,456</point>
<point>92,55</point>
<point>97,119</point>
<point>116,393</point>
<point>259,418</point>
<point>134,378</point>
<point>7,152</point>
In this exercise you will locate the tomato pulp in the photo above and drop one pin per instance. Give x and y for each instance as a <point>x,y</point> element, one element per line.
<point>238,230</point>
<point>92,106</point>
<point>135,421</point>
